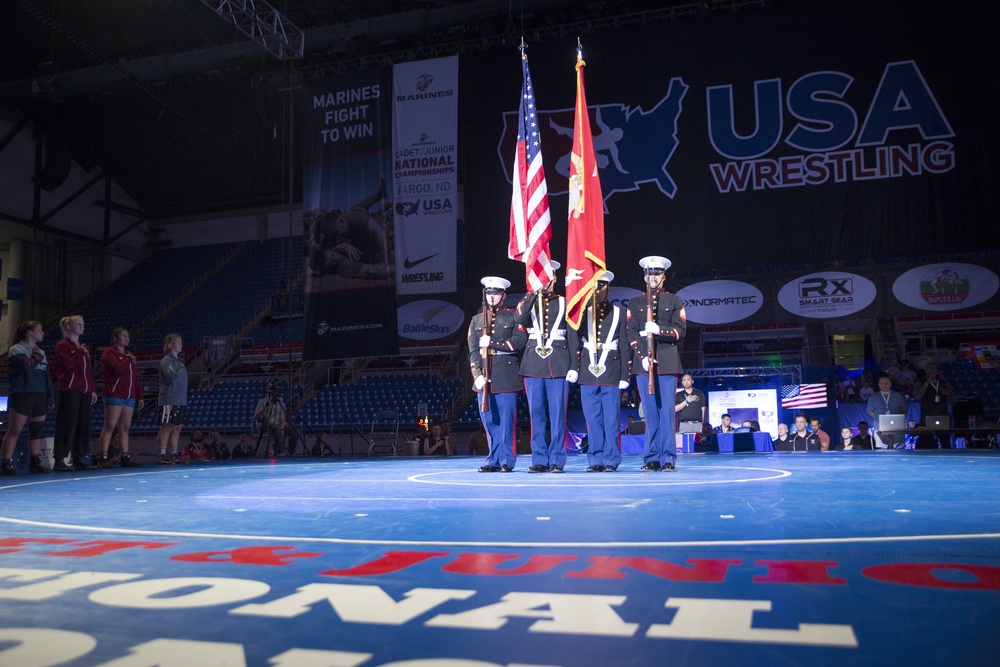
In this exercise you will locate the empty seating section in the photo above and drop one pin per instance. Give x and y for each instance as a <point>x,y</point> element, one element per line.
<point>774,344</point>
<point>974,382</point>
<point>229,298</point>
<point>147,288</point>
<point>335,407</point>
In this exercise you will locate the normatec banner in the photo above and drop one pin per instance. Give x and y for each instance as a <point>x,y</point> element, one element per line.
<point>424,144</point>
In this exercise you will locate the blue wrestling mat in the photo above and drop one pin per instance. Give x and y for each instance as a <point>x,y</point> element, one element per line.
<point>784,559</point>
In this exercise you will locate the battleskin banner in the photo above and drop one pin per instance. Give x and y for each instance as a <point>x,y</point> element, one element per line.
<point>778,136</point>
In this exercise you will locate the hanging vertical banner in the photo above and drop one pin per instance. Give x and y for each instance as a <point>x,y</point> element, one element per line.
<point>424,151</point>
<point>350,297</point>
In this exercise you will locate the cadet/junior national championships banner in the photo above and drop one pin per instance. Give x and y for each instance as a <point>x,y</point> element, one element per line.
<point>424,149</point>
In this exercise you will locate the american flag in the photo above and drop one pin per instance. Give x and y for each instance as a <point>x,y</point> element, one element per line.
<point>800,396</point>
<point>530,228</point>
<point>585,259</point>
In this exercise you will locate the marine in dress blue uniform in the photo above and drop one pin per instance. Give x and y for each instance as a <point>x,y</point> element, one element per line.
<point>601,366</point>
<point>667,328</point>
<point>544,363</point>
<point>503,344</point>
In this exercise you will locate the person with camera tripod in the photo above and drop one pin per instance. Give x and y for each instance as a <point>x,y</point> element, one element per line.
<point>270,412</point>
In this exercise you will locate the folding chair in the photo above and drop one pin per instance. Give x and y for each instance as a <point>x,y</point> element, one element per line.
<point>384,432</point>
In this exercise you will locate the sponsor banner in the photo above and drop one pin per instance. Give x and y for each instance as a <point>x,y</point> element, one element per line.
<point>827,294</point>
<point>720,301</point>
<point>424,161</point>
<point>350,300</point>
<point>945,286</point>
<point>720,154</point>
<point>620,296</point>
<point>431,320</point>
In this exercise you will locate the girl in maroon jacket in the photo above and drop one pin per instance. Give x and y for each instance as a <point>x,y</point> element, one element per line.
<point>75,393</point>
<point>122,395</point>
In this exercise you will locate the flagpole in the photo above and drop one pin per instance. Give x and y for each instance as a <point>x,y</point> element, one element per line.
<point>593,325</point>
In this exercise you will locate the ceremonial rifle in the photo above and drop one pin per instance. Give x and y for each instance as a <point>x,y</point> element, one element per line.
<point>484,354</point>
<point>650,340</point>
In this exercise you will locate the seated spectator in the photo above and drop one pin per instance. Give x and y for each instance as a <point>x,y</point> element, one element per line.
<point>437,444</point>
<point>242,449</point>
<point>866,391</point>
<point>905,378</point>
<point>220,448</point>
<point>197,449</point>
<point>629,421</point>
<point>478,444</point>
<point>726,426</point>
<point>846,443</point>
<point>824,437</point>
<point>863,440</point>
<point>781,443</point>
<point>851,390</point>
<point>321,446</point>
<point>748,424</point>
<point>802,440</point>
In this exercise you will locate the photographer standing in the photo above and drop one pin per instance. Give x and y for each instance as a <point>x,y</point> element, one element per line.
<point>270,412</point>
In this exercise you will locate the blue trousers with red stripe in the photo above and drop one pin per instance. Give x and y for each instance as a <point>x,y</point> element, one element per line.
<point>548,393</point>
<point>658,411</point>
<point>602,408</point>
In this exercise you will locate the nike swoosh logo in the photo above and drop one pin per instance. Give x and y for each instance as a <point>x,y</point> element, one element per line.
<point>407,264</point>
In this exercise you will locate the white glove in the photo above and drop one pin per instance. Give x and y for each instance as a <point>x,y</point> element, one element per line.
<point>645,364</point>
<point>572,376</point>
<point>651,328</point>
<point>484,341</point>
<point>623,384</point>
<point>480,383</point>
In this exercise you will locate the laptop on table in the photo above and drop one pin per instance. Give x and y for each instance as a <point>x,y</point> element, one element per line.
<point>941,421</point>
<point>891,423</point>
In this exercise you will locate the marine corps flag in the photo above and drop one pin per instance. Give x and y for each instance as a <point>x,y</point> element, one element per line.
<point>585,258</point>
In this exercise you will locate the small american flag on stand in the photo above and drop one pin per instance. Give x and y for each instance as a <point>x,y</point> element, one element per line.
<point>530,221</point>
<point>800,396</point>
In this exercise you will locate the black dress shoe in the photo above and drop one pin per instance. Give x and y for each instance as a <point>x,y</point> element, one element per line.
<point>595,468</point>
<point>610,468</point>
<point>556,468</point>
<point>669,467</point>
<point>489,469</point>
<point>652,465</point>
<point>506,468</point>
<point>62,467</point>
<point>538,468</point>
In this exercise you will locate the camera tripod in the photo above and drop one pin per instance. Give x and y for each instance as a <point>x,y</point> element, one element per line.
<point>272,412</point>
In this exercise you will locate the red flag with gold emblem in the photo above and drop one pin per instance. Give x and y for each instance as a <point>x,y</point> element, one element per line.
<point>585,258</point>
